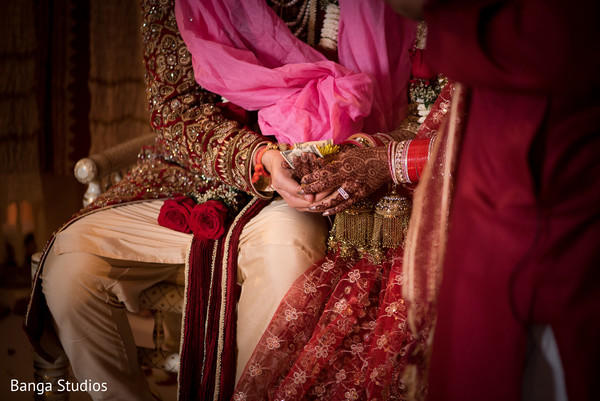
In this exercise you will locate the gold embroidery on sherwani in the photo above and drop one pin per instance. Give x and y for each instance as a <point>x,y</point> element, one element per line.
<point>191,130</point>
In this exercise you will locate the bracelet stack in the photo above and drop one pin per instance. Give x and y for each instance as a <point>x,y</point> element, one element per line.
<point>398,161</point>
<point>416,159</point>
<point>407,159</point>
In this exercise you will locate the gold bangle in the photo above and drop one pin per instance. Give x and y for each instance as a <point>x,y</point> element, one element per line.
<point>363,139</point>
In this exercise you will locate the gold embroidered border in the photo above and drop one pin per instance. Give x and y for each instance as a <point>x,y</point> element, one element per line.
<point>224,296</point>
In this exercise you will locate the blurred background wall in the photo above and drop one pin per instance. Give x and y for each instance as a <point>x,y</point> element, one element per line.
<point>71,83</point>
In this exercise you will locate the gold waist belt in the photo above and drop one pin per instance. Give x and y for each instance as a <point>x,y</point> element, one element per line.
<point>370,229</point>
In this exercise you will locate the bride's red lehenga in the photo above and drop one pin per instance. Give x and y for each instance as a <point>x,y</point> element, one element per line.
<point>327,339</point>
<point>341,332</point>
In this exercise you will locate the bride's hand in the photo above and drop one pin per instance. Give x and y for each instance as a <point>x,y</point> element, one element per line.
<point>305,164</point>
<point>356,173</point>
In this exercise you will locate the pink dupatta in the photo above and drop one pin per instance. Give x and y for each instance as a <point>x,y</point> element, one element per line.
<point>242,51</point>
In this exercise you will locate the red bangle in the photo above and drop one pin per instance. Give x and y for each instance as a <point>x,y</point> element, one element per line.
<point>378,141</point>
<point>416,156</point>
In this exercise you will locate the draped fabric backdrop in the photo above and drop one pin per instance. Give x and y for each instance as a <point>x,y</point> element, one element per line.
<point>71,83</point>
<point>116,83</point>
<point>20,116</point>
<point>21,125</point>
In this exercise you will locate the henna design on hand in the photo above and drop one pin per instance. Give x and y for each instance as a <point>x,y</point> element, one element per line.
<point>305,164</point>
<point>359,171</point>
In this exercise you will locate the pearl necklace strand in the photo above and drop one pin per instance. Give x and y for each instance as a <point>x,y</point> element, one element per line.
<point>329,31</point>
<point>307,18</point>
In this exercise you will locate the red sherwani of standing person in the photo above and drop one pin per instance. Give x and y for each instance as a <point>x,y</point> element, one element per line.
<point>524,237</point>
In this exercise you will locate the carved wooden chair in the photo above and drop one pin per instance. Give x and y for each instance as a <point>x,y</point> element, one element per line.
<point>99,171</point>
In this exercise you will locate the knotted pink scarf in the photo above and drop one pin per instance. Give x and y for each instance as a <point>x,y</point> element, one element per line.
<point>242,51</point>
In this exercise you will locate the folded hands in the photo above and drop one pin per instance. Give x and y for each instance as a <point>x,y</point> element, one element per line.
<point>330,187</point>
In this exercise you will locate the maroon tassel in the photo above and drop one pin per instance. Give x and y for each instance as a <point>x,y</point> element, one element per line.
<point>193,361</point>
<point>228,358</point>
<point>203,305</point>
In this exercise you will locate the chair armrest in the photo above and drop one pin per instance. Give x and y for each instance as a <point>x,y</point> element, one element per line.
<point>116,158</point>
<point>35,263</point>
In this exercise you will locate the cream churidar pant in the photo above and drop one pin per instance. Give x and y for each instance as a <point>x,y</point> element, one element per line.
<point>98,266</point>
